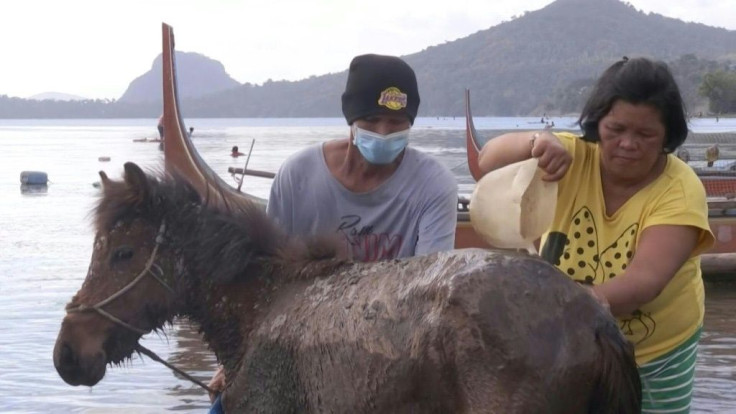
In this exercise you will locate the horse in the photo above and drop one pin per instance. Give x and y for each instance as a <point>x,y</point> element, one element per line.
<point>300,329</point>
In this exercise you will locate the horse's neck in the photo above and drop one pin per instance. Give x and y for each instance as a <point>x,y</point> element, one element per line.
<point>225,314</point>
<point>228,313</point>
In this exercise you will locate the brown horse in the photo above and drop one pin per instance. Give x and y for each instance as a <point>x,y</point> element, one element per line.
<point>297,331</point>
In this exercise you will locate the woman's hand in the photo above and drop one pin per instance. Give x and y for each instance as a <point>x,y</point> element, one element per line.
<point>217,383</point>
<point>553,158</point>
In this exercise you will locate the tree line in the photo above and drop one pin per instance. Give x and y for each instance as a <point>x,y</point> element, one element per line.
<point>703,83</point>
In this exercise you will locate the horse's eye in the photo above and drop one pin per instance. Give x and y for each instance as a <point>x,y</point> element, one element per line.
<point>122,253</point>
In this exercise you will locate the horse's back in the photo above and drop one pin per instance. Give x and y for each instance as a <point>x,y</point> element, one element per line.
<point>525,335</point>
<point>461,331</point>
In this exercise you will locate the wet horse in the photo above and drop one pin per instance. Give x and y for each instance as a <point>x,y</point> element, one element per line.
<point>299,330</point>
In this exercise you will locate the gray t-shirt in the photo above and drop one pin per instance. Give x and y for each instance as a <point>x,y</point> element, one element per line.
<point>414,212</point>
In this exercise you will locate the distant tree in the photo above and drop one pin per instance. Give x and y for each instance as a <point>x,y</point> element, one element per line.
<point>720,88</point>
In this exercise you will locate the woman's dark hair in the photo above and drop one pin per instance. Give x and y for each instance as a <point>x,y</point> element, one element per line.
<point>637,81</point>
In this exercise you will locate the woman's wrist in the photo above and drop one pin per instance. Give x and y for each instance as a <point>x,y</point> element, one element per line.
<point>533,140</point>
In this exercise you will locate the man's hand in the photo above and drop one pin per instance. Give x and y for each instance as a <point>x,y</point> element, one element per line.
<point>217,383</point>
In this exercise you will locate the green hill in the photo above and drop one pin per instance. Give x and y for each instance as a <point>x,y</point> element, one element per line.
<point>543,61</point>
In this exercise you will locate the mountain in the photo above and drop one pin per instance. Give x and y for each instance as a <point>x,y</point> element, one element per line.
<point>542,62</point>
<point>516,66</point>
<point>56,96</point>
<point>197,75</point>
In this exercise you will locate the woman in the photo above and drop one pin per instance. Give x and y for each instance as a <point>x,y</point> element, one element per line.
<point>631,218</point>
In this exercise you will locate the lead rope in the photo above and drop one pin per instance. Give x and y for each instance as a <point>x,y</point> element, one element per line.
<point>145,351</point>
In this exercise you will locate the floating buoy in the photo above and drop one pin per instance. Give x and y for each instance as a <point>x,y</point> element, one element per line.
<point>103,159</point>
<point>34,178</point>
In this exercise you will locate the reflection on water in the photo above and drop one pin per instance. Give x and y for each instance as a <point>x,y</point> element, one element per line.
<point>715,382</point>
<point>34,189</point>
<point>46,240</point>
<point>192,356</point>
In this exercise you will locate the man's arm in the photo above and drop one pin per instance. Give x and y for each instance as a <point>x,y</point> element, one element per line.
<point>439,219</point>
<point>279,206</point>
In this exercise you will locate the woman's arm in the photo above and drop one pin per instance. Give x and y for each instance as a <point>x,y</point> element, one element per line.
<point>519,146</point>
<point>661,252</point>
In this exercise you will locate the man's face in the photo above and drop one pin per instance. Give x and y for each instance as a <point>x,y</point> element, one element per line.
<point>384,124</point>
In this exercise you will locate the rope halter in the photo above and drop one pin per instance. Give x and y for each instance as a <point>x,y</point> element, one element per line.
<point>152,268</point>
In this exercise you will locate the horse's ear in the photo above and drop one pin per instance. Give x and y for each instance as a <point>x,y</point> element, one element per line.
<point>104,179</point>
<point>136,180</point>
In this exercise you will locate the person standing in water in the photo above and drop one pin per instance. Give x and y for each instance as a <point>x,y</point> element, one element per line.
<point>381,197</point>
<point>631,218</point>
<point>385,198</point>
<point>234,152</point>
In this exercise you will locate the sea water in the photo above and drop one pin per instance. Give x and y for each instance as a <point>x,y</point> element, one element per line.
<point>46,242</point>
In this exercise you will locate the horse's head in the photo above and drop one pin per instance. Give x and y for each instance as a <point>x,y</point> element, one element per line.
<point>129,289</point>
<point>162,250</point>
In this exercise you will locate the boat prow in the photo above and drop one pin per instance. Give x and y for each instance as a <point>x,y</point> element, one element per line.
<point>471,140</point>
<point>180,155</point>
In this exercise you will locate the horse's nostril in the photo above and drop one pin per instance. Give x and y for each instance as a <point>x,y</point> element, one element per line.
<point>68,357</point>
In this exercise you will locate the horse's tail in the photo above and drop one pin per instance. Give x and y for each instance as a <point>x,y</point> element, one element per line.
<point>618,387</point>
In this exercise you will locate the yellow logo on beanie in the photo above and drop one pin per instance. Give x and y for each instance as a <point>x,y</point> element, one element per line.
<point>392,98</point>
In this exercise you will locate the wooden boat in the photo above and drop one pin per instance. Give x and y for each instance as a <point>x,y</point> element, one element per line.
<point>181,156</point>
<point>719,261</point>
<point>718,184</point>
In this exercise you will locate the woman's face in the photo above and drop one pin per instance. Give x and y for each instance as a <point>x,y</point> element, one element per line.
<point>632,139</point>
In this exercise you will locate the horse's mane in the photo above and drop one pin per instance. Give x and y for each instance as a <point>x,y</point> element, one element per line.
<point>222,244</point>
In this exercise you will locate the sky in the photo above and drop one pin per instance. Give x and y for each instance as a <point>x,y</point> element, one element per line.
<point>95,48</point>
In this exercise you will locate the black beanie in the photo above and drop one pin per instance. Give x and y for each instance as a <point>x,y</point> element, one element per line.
<point>380,85</point>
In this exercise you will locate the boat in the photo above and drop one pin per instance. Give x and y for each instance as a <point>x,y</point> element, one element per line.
<point>717,263</point>
<point>181,157</point>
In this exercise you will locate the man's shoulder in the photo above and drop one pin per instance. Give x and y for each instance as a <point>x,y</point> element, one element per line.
<point>431,170</point>
<point>303,158</point>
<point>428,160</point>
<point>425,160</point>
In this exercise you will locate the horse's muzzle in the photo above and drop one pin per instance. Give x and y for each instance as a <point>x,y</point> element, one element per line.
<point>77,368</point>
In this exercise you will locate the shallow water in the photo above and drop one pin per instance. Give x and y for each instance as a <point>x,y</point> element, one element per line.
<point>46,240</point>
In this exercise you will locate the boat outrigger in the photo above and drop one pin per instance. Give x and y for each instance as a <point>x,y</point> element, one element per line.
<point>181,156</point>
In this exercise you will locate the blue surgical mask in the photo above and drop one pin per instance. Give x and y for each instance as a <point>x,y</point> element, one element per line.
<point>378,148</point>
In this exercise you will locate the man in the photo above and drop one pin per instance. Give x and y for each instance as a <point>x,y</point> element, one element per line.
<point>386,199</point>
<point>235,152</point>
